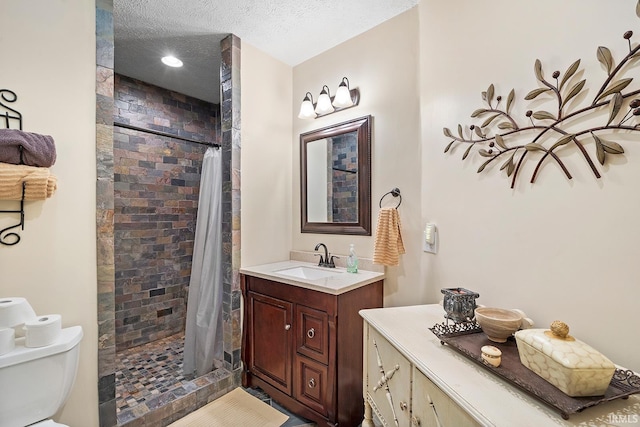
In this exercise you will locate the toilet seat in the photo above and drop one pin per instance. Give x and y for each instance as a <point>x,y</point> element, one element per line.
<point>48,423</point>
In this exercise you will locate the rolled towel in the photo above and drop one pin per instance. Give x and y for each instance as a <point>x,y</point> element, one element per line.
<point>40,184</point>
<point>37,150</point>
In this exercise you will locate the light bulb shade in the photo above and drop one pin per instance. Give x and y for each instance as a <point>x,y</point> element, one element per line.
<point>343,95</point>
<point>324,102</point>
<point>306,108</point>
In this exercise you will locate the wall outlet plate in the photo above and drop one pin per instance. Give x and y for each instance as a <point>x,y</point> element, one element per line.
<point>433,246</point>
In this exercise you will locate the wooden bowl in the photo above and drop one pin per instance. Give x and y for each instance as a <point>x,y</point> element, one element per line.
<point>498,323</point>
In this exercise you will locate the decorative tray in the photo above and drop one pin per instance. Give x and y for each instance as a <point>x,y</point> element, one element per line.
<point>467,338</point>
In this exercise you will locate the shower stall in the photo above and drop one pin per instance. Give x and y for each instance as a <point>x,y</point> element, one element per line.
<point>161,140</point>
<point>160,314</point>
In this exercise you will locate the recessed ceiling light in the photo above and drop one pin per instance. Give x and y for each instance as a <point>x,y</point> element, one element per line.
<point>171,61</point>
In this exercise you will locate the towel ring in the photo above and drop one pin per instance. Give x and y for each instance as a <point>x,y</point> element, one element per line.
<point>395,193</point>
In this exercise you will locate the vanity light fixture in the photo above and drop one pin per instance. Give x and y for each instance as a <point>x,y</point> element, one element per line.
<point>324,102</point>
<point>344,98</point>
<point>306,109</point>
<point>171,61</point>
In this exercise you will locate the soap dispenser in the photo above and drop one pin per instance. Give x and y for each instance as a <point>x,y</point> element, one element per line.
<point>352,260</point>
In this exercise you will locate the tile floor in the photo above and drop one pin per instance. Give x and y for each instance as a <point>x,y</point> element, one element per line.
<point>147,371</point>
<point>150,376</point>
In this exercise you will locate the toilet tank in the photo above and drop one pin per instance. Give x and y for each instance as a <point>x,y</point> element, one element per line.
<point>35,382</point>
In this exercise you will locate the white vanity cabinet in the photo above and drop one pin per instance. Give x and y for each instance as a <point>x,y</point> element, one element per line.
<point>432,407</point>
<point>408,398</point>
<point>391,400</point>
<point>431,384</point>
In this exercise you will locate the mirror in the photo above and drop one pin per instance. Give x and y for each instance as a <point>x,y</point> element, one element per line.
<point>335,179</point>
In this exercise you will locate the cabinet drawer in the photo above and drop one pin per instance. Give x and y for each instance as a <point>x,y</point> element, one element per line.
<point>312,333</point>
<point>432,407</point>
<point>311,383</point>
<point>398,371</point>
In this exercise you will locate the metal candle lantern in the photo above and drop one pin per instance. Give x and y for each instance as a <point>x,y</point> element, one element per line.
<point>459,304</point>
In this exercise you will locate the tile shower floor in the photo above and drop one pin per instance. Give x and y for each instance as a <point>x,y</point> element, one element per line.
<point>150,376</point>
<point>147,371</point>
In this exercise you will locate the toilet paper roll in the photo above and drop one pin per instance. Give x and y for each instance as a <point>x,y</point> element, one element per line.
<point>43,330</point>
<point>14,312</point>
<point>7,340</point>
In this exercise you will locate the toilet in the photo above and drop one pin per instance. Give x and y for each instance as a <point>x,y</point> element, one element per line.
<point>35,382</point>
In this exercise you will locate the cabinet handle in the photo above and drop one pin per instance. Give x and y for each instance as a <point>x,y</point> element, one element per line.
<point>287,327</point>
<point>311,333</point>
<point>415,421</point>
<point>312,383</point>
<point>403,406</point>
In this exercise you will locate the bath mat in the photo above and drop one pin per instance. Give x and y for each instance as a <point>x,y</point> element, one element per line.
<point>235,409</point>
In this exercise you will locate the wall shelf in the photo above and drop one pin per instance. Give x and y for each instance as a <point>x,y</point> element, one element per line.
<point>12,119</point>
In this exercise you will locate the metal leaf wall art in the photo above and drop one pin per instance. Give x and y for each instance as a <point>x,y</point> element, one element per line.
<point>499,138</point>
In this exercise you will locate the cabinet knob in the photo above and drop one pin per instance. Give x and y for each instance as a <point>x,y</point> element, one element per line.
<point>311,333</point>
<point>287,327</point>
<point>403,406</point>
<point>415,421</point>
<point>312,383</point>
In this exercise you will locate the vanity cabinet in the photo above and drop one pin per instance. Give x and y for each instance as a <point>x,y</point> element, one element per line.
<point>407,396</point>
<point>431,384</point>
<point>304,347</point>
<point>432,407</point>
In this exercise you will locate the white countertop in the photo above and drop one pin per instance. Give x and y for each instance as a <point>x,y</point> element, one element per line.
<point>485,396</point>
<point>336,284</point>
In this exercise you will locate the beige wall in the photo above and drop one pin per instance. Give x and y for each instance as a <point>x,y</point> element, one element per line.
<point>383,64</point>
<point>557,249</point>
<point>48,59</point>
<point>266,157</point>
<point>532,247</point>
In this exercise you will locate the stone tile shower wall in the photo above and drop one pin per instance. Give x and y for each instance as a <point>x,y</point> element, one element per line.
<point>231,146</point>
<point>156,184</point>
<point>344,163</point>
<point>104,214</point>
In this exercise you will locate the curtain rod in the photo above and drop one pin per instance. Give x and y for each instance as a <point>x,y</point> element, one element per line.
<point>165,134</point>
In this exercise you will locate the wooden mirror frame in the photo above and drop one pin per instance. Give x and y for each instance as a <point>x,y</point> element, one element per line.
<point>363,226</point>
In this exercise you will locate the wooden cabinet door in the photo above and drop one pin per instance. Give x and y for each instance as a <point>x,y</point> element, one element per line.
<point>271,336</point>
<point>391,401</point>
<point>432,407</point>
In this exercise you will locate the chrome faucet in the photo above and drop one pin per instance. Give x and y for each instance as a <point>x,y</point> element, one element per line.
<point>327,261</point>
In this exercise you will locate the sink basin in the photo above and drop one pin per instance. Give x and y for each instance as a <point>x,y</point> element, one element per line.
<point>309,273</point>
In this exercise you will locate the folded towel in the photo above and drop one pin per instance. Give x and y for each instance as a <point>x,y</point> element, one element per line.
<point>388,244</point>
<point>40,184</point>
<point>37,150</point>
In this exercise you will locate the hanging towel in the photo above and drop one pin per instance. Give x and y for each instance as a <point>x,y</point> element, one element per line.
<point>40,183</point>
<point>37,150</point>
<point>388,244</point>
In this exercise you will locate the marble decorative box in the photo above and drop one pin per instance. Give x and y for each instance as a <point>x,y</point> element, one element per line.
<point>569,364</point>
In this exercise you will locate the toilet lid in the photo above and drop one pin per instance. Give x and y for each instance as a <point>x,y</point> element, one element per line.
<point>48,423</point>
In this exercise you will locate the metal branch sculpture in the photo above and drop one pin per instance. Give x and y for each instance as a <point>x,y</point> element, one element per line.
<point>613,96</point>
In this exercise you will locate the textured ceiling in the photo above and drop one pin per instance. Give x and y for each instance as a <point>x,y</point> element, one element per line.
<point>289,30</point>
